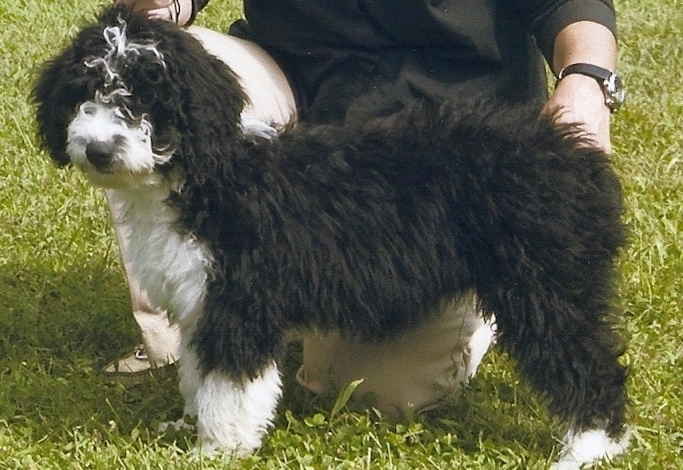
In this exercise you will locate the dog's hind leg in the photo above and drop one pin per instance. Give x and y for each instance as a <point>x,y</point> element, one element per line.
<point>564,344</point>
<point>552,293</point>
<point>542,248</point>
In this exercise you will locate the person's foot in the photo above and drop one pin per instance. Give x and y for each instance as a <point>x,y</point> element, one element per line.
<point>135,368</point>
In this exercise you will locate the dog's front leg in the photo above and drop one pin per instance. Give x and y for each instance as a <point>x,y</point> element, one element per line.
<point>234,414</point>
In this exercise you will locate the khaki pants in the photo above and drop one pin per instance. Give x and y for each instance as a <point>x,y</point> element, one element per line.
<point>404,375</point>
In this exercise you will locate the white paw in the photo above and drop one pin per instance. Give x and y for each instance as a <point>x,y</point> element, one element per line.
<point>588,447</point>
<point>176,425</point>
<point>233,416</point>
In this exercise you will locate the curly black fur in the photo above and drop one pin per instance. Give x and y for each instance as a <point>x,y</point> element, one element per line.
<point>365,230</point>
<point>368,229</point>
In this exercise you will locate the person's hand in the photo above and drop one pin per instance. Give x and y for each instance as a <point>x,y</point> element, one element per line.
<point>176,11</point>
<point>578,99</point>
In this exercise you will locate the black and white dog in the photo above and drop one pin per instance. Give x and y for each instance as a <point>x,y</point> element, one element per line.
<point>367,230</point>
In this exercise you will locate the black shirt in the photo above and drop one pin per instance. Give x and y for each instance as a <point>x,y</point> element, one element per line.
<point>353,59</point>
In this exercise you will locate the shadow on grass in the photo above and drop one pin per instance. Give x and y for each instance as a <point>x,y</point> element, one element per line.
<point>60,328</point>
<point>82,312</point>
<point>57,331</point>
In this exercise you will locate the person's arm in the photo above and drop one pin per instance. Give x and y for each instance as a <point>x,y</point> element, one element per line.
<point>569,32</point>
<point>580,98</point>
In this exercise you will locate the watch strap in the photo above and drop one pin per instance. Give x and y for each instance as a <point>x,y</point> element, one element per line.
<point>610,82</point>
<point>598,73</point>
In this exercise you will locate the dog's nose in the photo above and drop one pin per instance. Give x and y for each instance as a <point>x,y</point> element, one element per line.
<point>99,153</point>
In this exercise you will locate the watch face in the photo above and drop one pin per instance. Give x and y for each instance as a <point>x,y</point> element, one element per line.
<point>615,93</point>
<point>612,86</point>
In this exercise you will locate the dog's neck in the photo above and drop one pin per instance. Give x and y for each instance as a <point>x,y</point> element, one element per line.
<point>143,206</point>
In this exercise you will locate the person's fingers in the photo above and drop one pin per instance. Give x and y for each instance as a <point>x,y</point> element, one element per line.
<point>579,101</point>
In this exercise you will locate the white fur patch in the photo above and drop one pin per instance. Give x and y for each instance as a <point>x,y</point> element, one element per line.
<point>478,345</point>
<point>119,46</point>
<point>189,374</point>
<point>588,447</point>
<point>172,267</point>
<point>177,425</point>
<point>257,127</point>
<point>234,416</point>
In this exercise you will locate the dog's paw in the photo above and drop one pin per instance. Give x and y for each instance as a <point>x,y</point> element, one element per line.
<point>228,446</point>
<point>201,455</point>
<point>589,447</point>
<point>177,425</point>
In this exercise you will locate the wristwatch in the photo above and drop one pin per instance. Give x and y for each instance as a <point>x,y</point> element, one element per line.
<point>610,82</point>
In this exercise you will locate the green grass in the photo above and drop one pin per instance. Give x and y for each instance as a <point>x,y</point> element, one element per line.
<point>64,309</point>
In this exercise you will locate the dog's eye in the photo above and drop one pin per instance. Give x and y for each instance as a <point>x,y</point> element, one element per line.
<point>147,99</point>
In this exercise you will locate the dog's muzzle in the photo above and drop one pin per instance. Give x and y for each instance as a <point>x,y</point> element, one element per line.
<point>101,154</point>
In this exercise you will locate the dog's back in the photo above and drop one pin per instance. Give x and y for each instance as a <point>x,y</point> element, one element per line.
<point>405,213</point>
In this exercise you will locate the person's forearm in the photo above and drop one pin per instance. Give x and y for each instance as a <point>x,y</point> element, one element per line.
<point>585,42</point>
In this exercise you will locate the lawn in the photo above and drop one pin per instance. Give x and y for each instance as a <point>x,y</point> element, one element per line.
<point>65,313</point>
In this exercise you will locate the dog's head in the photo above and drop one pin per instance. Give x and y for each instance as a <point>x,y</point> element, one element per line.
<point>131,94</point>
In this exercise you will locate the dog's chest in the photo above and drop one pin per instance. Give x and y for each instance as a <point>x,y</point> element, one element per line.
<point>169,266</point>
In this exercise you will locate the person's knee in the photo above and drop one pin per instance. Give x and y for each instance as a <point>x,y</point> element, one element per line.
<point>270,97</point>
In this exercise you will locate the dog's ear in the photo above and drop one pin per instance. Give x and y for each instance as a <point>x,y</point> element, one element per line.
<point>212,98</point>
<point>210,102</point>
<point>208,106</point>
<point>63,83</point>
<point>56,97</point>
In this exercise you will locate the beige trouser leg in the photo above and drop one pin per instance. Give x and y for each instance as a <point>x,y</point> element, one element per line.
<point>270,98</point>
<point>408,373</point>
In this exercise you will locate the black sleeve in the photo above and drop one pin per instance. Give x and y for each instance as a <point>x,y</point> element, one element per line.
<point>545,19</point>
<point>199,4</point>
